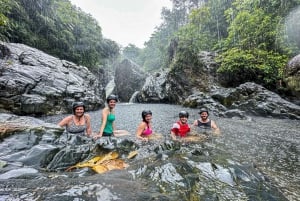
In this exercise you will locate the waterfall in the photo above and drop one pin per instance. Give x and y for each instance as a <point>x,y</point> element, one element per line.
<point>133,97</point>
<point>109,88</point>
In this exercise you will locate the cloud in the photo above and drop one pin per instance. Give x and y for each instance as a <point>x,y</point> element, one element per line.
<point>125,21</point>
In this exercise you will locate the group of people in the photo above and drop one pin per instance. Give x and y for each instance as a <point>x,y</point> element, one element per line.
<point>80,123</point>
<point>181,128</point>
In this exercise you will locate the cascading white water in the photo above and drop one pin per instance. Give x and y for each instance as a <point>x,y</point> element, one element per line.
<point>109,88</point>
<point>133,97</point>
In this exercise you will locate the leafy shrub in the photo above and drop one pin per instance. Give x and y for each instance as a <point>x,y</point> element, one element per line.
<point>238,66</point>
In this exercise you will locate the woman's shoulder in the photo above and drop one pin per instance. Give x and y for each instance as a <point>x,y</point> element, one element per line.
<point>142,123</point>
<point>212,121</point>
<point>87,116</point>
<point>66,120</point>
<point>69,118</point>
<point>176,125</point>
<point>105,110</point>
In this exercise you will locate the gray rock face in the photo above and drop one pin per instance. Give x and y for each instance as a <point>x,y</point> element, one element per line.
<point>292,76</point>
<point>293,67</point>
<point>198,88</point>
<point>175,85</point>
<point>34,83</point>
<point>129,78</point>
<point>257,100</point>
<point>248,98</point>
<point>155,89</point>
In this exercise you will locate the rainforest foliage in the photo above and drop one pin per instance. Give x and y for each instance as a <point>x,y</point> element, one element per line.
<point>58,28</point>
<point>253,38</point>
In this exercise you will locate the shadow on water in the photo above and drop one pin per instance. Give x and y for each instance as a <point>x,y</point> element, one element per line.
<point>255,159</point>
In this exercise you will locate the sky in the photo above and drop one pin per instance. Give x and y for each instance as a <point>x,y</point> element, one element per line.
<point>125,21</point>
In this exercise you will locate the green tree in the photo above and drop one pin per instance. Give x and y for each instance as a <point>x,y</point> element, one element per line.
<point>155,54</point>
<point>4,9</point>
<point>60,29</point>
<point>206,28</point>
<point>291,30</point>
<point>254,29</point>
<point>253,49</point>
<point>133,53</point>
<point>255,65</point>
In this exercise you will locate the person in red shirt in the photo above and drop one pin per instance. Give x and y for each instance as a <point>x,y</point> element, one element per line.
<point>181,128</point>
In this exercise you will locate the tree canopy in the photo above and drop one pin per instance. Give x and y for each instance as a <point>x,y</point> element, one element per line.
<point>58,28</point>
<point>255,37</point>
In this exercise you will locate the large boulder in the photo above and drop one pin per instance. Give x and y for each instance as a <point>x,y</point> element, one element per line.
<point>292,76</point>
<point>182,80</point>
<point>129,78</point>
<point>12,124</point>
<point>35,83</point>
<point>155,89</point>
<point>256,100</point>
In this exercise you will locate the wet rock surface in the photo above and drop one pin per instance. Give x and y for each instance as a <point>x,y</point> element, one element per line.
<point>292,76</point>
<point>254,159</point>
<point>257,100</point>
<point>129,78</point>
<point>35,83</point>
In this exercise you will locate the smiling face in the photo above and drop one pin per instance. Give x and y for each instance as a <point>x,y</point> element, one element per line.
<point>148,118</point>
<point>183,119</point>
<point>79,111</point>
<point>204,116</point>
<point>112,104</point>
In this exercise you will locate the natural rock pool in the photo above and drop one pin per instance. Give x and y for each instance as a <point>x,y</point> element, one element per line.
<point>254,159</point>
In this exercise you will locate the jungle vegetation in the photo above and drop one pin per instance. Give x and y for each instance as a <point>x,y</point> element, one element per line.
<point>254,39</point>
<point>58,28</point>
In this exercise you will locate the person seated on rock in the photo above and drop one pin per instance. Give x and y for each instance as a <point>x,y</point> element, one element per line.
<point>144,129</point>
<point>181,128</point>
<point>206,124</point>
<point>78,123</point>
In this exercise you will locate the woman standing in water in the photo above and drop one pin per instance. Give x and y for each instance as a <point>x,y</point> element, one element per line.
<point>78,123</point>
<point>108,117</point>
<point>144,129</point>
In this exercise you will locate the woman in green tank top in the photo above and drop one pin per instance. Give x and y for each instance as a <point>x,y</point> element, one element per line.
<point>108,117</point>
<point>109,126</point>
